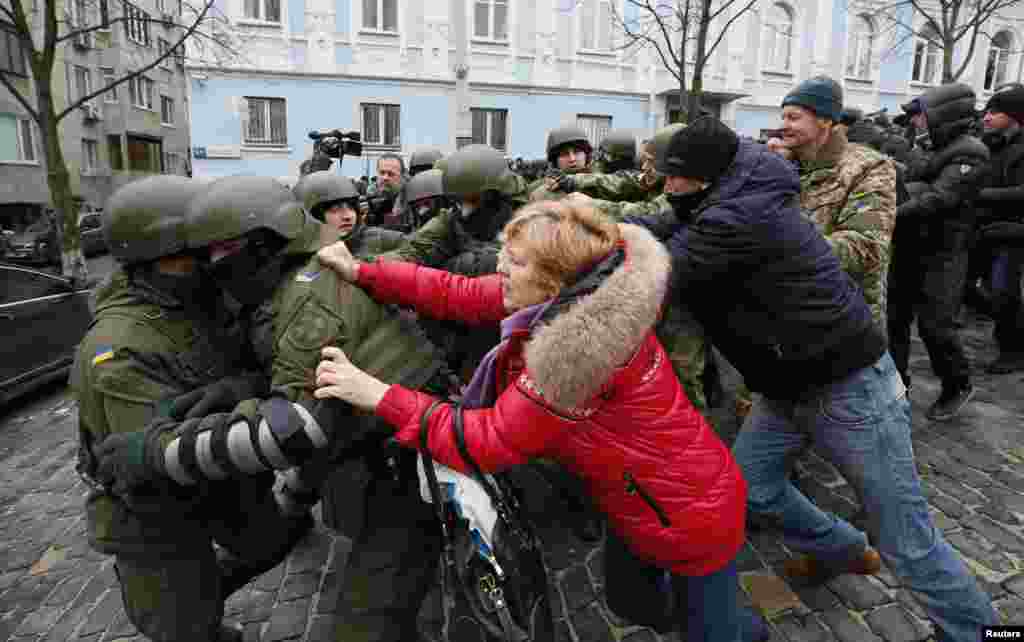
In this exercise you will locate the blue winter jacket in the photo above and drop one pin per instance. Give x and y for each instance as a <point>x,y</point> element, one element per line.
<point>765,284</point>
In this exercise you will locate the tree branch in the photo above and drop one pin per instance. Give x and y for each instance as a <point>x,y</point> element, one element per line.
<point>728,24</point>
<point>160,58</point>
<point>22,100</point>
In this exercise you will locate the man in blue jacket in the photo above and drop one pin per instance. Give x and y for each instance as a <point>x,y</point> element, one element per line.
<point>777,304</point>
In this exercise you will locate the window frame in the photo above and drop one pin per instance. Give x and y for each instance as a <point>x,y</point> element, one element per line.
<point>148,140</point>
<point>134,91</point>
<point>21,125</point>
<point>79,72</point>
<point>136,25</point>
<point>593,123</point>
<point>489,115</point>
<point>491,36</point>
<point>163,46</point>
<point>111,95</point>
<point>989,84</point>
<point>90,161</point>
<point>382,110</point>
<point>595,28</point>
<point>120,164</point>
<point>267,140</point>
<point>164,101</point>
<point>771,28</point>
<point>855,42</point>
<point>928,45</point>
<point>379,26</point>
<point>9,32</point>
<point>261,17</point>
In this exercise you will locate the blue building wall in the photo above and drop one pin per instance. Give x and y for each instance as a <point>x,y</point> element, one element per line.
<point>750,120</point>
<point>840,20</point>
<point>316,103</point>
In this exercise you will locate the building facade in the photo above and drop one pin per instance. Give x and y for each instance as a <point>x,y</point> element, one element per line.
<point>386,69</point>
<point>136,129</point>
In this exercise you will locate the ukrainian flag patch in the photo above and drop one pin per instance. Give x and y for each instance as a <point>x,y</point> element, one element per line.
<point>102,354</point>
<point>308,277</point>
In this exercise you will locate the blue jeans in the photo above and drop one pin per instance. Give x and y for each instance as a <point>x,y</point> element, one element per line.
<point>709,610</point>
<point>861,424</point>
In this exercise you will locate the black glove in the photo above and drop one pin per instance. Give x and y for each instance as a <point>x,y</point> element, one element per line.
<point>219,396</point>
<point>125,461</point>
<point>566,184</point>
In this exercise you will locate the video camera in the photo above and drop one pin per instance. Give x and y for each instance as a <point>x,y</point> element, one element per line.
<point>336,143</point>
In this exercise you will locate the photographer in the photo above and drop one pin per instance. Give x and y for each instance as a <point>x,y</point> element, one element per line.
<point>383,207</point>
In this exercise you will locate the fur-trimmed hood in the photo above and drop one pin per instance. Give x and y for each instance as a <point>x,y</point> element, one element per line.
<point>572,356</point>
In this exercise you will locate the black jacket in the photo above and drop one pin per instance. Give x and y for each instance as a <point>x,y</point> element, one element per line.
<point>766,285</point>
<point>1002,195</point>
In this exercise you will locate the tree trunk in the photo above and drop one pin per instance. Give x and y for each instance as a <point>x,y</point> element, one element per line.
<point>58,180</point>
<point>947,60</point>
<point>684,100</point>
<point>693,99</point>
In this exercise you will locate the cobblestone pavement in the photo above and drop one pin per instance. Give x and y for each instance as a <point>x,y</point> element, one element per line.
<point>54,588</point>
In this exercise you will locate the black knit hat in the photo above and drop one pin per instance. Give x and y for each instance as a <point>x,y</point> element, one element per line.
<point>820,94</point>
<point>704,149</point>
<point>1009,102</point>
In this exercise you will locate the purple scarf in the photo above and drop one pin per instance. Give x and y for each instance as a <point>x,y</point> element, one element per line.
<point>481,392</point>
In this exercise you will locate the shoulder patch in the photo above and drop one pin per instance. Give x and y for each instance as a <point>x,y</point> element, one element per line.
<point>103,353</point>
<point>308,276</point>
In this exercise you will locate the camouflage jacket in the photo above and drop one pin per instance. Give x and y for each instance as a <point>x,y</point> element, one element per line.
<point>849,192</point>
<point>655,204</point>
<point>369,242</point>
<point>144,347</point>
<point>623,185</point>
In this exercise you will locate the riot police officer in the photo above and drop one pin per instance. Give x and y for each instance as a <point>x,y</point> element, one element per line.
<point>334,201</point>
<point>423,160</point>
<point>426,197</point>
<point>159,331</point>
<point>569,153</point>
<point>260,247</point>
<point>615,177</point>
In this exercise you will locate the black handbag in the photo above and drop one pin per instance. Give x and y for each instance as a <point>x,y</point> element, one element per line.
<point>489,594</point>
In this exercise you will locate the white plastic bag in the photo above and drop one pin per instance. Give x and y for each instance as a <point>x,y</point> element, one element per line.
<point>469,497</point>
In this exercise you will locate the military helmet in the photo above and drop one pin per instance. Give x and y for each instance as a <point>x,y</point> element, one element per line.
<point>619,145</point>
<point>664,135</point>
<point>237,205</point>
<point>569,134</point>
<point>317,190</point>
<point>425,185</point>
<point>424,159</point>
<point>145,219</point>
<point>475,169</point>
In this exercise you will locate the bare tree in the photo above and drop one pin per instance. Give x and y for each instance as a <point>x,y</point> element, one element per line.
<point>942,25</point>
<point>674,29</point>
<point>41,28</point>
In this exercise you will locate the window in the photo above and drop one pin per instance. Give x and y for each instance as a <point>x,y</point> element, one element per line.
<point>140,91</point>
<point>172,163</point>
<point>90,155</point>
<point>108,79</point>
<point>82,82</point>
<point>12,60</point>
<point>264,10</point>
<point>380,15</point>
<point>595,126</point>
<point>860,49</point>
<point>778,37</point>
<point>382,125</point>
<point>490,19</point>
<point>927,58</point>
<point>166,110</point>
<point>114,152</point>
<point>136,25</point>
<point>80,18</point>
<point>104,14</point>
<point>998,60</point>
<point>490,127</point>
<point>144,154</point>
<point>267,124</point>
<point>17,139</point>
<point>596,25</point>
<point>163,49</point>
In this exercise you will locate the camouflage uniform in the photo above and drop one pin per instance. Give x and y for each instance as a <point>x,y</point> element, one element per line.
<point>850,194</point>
<point>144,347</point>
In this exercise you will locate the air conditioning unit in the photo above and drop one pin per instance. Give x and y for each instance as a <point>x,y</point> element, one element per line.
<point>83,40</point>
<point>92,111</point>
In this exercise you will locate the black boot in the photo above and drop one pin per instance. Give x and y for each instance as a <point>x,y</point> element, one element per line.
<point>950,402</point>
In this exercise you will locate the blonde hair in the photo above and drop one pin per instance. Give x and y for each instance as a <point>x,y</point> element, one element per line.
<point>562,238</point>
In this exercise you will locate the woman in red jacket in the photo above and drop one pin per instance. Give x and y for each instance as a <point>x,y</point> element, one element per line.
<point>579,377</point>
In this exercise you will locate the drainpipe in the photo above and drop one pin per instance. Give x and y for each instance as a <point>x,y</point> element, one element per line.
<point>463,120</point>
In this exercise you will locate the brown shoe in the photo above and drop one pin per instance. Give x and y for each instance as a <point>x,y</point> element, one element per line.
<point>814,570</point>
<point>743,407</point>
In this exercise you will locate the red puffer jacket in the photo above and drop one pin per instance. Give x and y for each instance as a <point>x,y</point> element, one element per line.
<point>594,390</point>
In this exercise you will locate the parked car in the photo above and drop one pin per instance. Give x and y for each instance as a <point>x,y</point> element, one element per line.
<point>43,318</point>
<point>90,233</point>
<point>35,245</point>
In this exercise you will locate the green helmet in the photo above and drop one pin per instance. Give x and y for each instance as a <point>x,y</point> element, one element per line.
<point>236,205</point>
<point>145,219</point>
<point>424,159</point>
<point>475,169</point>
<point>558,138</point>
<point>619,145</point>
<point>425,185</point>
<point>663,136</point>
<point>317,190</point>
<point>441,163</point>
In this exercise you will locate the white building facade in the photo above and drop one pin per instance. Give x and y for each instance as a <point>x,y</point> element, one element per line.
<point>386,69</point>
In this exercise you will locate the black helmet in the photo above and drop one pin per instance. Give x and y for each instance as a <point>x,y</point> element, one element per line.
<point>567,135</point>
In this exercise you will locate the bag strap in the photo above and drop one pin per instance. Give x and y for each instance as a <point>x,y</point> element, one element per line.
<point>428,468</point>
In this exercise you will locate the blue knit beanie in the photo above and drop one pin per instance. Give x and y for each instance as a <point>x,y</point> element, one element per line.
<point>820,94</point>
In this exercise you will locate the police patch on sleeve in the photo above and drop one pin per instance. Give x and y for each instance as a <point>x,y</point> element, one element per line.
<point>103,353</point>
<point>311,330</point>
